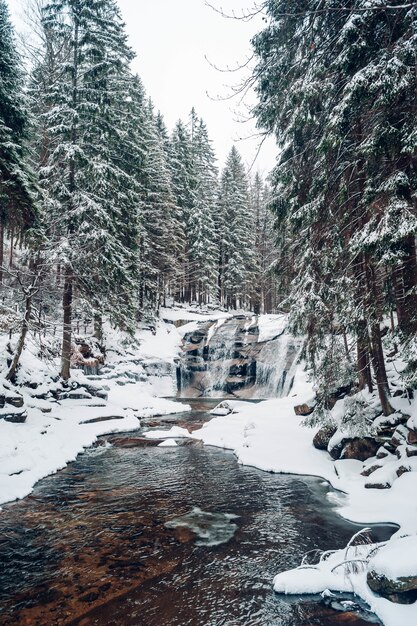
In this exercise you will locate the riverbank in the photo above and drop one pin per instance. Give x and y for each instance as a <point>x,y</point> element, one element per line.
<point>270,437</point>
<point>135,534</point>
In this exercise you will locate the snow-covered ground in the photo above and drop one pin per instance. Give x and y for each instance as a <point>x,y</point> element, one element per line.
<point>48,441</point>
<point>267,435</point>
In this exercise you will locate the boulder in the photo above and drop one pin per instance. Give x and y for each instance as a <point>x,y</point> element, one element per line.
<point>15,417</point>
<point>400,436</point>
<point>377,485</point>
<point>370,470</point>
<point>411,451</point>
<point>305,409</point>
<point>322,437</point>
<point>359,448</point>
<point>412,437</point>
<point>15,400</point>
<point>402,590</point>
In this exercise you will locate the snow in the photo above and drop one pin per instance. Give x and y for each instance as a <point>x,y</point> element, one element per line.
<point>176,432</point>
<point>176,314</point>
<point>47,442</point>
<point>270,437</point>
<point>168,443</point>
<point>271,326</point>
<point>397,558</point>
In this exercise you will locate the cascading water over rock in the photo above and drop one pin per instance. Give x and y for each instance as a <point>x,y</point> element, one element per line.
<point>229,357</point>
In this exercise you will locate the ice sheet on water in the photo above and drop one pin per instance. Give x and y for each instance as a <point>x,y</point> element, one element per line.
<point>211,529</point>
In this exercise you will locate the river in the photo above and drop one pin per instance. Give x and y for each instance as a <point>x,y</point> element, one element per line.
<point>133,535</point>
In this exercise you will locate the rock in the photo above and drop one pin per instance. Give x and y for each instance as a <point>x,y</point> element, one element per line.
<point>305,409</point>
<point>359,448</point>
<point>15,400</point>
<point>402,590</point>
<point>382,453</point>
<point>403,469</point>
<point>377,485</point>
<point>323,436</point>
<point>412,437</point>
<point>135,442</point>
<point>369,470</point>
<point>411,451</point>
<point>18,417</point>
<point>400,436</point>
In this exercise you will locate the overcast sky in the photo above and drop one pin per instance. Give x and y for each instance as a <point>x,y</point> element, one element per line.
<point>172,39</point>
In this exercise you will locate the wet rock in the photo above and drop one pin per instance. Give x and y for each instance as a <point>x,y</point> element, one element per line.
<point>322,437</point>
<point>402,590</point>
<point>135,442</point>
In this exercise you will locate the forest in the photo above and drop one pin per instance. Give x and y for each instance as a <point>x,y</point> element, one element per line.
<point>337,86</point>
<point>209,374</point>
<point>103,209</point>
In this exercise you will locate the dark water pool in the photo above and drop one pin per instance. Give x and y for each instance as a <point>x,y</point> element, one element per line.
<point>100,543</point>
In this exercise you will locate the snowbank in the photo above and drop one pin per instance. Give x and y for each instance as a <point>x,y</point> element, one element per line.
<point>55,432</point>
<point>271,326</point>
<point>269,436</point>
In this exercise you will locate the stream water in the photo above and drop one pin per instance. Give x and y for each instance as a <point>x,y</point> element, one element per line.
<point>146,536</point>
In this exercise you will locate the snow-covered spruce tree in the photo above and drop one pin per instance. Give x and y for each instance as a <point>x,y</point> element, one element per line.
<point>161,235</point>
<point>264,297</point>
<point>94,197</point>
<point>18,193</point>
<point>201,233</point>
<point>184,180</point>
<point>235,225</point>
<point>336,86</point>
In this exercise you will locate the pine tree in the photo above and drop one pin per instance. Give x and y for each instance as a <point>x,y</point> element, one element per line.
<point>94,195</point>
<point>236,233</point>
<point>18,193</point>
<point>162,236</point>
<point>336,87</point>
<point>184,185</point>
<point>264,292</point>
<point>202,247</point>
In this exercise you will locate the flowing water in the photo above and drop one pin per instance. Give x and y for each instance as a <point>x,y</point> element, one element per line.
<point>228,359</point>
<point>147,536</point>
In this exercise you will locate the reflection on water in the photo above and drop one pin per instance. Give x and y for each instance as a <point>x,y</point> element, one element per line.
<point>111,541</point>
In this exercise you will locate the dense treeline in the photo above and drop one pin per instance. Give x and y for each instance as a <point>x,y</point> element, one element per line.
<point>120,215</point>
<point>337,85</point>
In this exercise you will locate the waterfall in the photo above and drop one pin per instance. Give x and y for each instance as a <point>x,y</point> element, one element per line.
<point>276,365</point>
<point>219,355</point>
<point>226,358</point>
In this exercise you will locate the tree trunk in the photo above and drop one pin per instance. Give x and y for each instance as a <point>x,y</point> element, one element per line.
<point>11,250</point>
<point>98,328</point>
<point>364,369</point>
<point>1,251</point>
<point>405,291</point>
<point>379,369</point>
<point>11,374</point>
<point>67,330</point>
